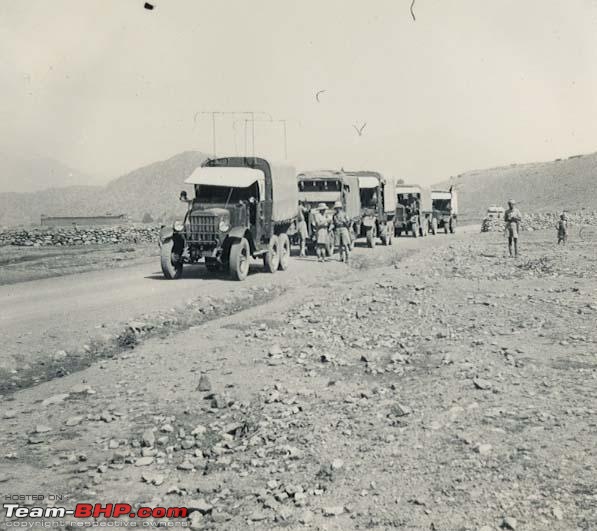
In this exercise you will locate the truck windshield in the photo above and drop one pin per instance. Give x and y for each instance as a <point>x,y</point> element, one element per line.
<point>327,185</point>
<point>224,194</point>
<point>369,197</point>
<point>441,204</point>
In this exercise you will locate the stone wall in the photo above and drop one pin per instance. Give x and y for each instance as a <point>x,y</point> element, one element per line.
<point>71,236</point>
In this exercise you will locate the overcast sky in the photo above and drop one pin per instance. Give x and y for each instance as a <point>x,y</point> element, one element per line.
<point>106,86</point>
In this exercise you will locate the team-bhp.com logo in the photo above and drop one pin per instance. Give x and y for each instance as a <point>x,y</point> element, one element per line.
<point>97,510</point>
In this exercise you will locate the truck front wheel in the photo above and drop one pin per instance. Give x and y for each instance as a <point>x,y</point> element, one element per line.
<point>171,264</point>
<point>240,254</point>
<point>284,244</point>
<point>271,259</point>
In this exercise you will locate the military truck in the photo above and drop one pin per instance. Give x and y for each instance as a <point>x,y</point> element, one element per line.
<point>326,186</point>
<point>243,207</point>
<point>378,206</point>
<point>445,210</point>
<point>413,210</point>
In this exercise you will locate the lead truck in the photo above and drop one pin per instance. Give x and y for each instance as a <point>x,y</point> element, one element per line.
<point>242,209</point>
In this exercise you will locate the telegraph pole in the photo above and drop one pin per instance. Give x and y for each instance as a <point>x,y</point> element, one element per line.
<point>213,114</point>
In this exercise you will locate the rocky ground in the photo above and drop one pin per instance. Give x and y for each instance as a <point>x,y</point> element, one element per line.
<point>453,389</point>
<point>584,224</point>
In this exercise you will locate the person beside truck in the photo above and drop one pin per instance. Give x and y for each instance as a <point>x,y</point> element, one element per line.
<point>321,224</point>
<point>341,225</point>
<point>512,217</point>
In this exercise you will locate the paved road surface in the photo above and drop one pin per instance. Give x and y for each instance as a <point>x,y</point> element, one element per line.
<point>38,318</point>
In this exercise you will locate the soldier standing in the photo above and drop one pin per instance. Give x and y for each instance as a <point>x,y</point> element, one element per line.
<point>321,223</point>
<point>512,217</point>
<point>303,233</point>
<point>341,225</point>
<point>562,229</point>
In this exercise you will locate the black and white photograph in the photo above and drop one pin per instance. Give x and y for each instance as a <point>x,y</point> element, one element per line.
<point>298,265</point>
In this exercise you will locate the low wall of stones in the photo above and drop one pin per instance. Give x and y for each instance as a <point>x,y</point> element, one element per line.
<point>73,236</point>
<point>539,221</point>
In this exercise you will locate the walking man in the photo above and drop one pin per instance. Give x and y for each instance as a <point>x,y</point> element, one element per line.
<point>321,223</point>
<point>341,225</point>
<point>512,217</point>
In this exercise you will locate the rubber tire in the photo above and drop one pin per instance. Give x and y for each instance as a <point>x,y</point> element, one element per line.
<point>371,238</point>
<point>434,226</point>
<point>170,270</point>
<point>239,261</point>
<point>271,259</point>
<point>284,243</point>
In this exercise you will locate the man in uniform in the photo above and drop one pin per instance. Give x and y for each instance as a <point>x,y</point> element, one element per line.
<point>512,217</point>
<point>341,225</point>
<point>303,233</point>
<point>321,224</point>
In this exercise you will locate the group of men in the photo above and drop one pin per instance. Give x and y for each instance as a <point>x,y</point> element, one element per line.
<point>324,227</point>
<point>513,217</point>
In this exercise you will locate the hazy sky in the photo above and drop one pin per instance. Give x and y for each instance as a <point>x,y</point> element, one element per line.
<point>106,86</point>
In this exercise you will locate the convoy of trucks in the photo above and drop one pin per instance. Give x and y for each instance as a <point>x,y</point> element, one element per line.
<point>247,207</point>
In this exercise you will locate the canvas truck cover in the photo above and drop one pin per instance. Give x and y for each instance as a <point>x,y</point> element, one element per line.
<point>280,182</point>
<point>389,196</point>
<point>350,184</point>
<point>452,196</point>
<point>423,193</point>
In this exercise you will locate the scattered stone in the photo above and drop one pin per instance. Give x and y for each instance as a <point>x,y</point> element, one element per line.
<point>204,385</point>
<point>482,384</point>
<point>144,461</point>
<point>40,428</point>
<point>148,438</point>
<point>333,511</point>
<point>74,421</point>
<point>509,523</point>
<point>56,399</point>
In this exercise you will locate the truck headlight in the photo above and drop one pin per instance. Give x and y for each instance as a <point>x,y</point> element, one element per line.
<point>224,226</point>
<point>178,226</point>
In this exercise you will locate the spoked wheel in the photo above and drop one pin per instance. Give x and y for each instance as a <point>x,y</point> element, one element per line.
<point>284,245</point>
<point>240,255</point>
<point>171,263</point>
<point>271,259</point>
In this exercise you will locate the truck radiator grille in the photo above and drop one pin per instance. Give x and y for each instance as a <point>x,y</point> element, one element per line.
<point>203,228</point>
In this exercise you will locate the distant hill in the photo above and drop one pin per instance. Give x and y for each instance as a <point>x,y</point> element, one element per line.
<point>152,190</point>
<point>35,173</point>
<point>563,184</point>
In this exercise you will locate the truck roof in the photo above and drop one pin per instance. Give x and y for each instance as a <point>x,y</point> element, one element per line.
<point>320,174</point>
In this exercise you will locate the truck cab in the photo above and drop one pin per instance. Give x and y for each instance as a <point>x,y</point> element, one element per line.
<point>378,206</point>
<point>445,210</point>
<point>327,186</point>
<point>413,210</point>
<point>242,209</point>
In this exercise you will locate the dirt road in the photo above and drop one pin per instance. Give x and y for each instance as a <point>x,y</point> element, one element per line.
<point>453,389</point>
<point>41,317</point>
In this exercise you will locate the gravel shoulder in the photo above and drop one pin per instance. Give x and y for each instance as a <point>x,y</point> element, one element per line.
<point>448,388</point>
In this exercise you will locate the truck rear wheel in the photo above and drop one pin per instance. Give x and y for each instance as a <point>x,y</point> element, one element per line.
<point>240,255</point>
<point>284,244</point>
<point>171,268</point>
<point>271,259</point>
<point>371,237</point>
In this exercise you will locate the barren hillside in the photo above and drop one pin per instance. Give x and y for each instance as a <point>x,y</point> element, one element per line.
<point>152,189</point>
<point>569,184</point>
